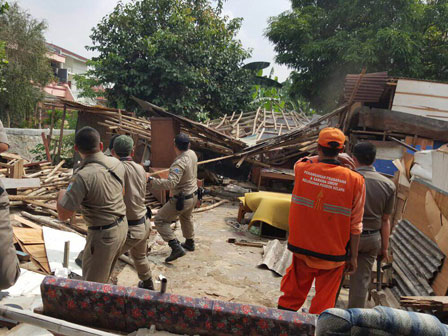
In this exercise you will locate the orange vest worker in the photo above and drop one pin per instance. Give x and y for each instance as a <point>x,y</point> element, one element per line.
<point>326,208</point>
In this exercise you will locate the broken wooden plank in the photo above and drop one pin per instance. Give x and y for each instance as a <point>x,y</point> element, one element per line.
<point>14,183</point>
<point>439,303</point>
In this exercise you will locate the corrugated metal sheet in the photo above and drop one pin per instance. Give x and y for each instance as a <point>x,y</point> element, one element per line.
<point>427,99</point>
<point>416,260</point>
<point>370,89</point>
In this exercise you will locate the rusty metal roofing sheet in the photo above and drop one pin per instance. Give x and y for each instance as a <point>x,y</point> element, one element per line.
<point>416,260</point>
<point>370,89</point>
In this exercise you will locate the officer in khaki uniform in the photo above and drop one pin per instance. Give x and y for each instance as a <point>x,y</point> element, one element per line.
<point>182,181</point>
<point>9,264</point>
<point>97,189</point>
<point>374,241</point>
<point>139,227</point>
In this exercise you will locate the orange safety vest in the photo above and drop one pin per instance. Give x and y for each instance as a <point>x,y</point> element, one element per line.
<point>320,212</point>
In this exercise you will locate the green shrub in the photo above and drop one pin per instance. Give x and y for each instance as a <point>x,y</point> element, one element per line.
<point>67,151</point>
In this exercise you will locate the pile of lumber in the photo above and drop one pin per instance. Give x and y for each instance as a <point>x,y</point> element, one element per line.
<point>36,184</point>
<point>291,145</point>
<point>261,123</point>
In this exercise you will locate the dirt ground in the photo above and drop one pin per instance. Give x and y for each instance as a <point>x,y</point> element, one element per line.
<point>216,269</point>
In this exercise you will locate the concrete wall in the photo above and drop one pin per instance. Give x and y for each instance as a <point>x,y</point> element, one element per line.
<point>22,140</point>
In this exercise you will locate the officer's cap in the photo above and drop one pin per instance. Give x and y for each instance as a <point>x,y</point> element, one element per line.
<point>123,145</point>
<point>182,139</point>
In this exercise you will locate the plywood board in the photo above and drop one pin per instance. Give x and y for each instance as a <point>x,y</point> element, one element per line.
<point>415,208</point>
<point>26,222</point>
<point>442,236</point>
<point>439,168</point>
<point>31,241</point>
<point>440,284</point>
<point>421,98</point>
<point>28,236</point>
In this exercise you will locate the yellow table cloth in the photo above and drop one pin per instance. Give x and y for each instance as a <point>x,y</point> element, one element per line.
<point>269,207</point>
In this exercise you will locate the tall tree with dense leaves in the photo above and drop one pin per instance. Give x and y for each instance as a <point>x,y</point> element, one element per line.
<point>28,69</point>
<point>179,54</point>
<point>323,40</point>
<point>3,61</point>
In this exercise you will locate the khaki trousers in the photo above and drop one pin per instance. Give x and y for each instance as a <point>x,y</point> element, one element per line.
<point>101,252</point>
<point>369,247</point>
<point>9,264</point>
<point>168,213</point>
<point>137,245</point>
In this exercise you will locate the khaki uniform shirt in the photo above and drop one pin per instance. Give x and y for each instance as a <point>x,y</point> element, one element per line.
<point>135,190</point>
<point>3,137</point>
<point>9,264</point>
<point>380,197</point>
<point>96,191</point>
<point>183,175</point>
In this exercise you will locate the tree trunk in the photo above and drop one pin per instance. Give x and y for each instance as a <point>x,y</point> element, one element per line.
<point>8,118</point>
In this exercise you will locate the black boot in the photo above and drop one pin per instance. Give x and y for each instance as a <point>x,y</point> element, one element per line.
<point>146,284</point>
<point>188,245</point>
<point>78,260</point>
<point>176,250</point>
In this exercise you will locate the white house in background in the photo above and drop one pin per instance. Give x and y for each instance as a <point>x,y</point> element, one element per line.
<point>65,65</point>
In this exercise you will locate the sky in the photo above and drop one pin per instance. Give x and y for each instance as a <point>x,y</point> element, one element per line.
<point>70,23</point>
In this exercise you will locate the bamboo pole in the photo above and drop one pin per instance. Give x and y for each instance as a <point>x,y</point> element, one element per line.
<point>210,206</point>
<point>32,197</point>
<point>55,169</point>
<point>199,163</point>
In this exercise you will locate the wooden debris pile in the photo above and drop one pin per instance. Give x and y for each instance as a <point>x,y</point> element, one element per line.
<point>260,124</point>
<point>291,145</point>
<point>33,183</point>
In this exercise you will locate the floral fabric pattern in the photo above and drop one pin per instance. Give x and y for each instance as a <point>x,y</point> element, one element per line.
<point>127,309</point>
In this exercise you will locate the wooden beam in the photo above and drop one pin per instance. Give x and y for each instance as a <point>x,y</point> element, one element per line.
<point>286,121</point>
<point>254,127</point>
<point>273,118</point>
<point>46,146</point>
<point>222,121</point>
<point>61,134</point>
<point>238,120</point>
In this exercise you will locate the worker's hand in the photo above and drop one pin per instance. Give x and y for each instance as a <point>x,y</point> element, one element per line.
<point>351,265</point>
<point>384,255</point>
<point>346,161</point>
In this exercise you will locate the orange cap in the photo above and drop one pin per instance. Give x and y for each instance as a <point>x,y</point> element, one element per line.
<point>331,134</point>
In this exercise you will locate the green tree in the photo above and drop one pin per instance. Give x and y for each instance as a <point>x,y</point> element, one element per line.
<point>3,61</point>
<point>323,40</point>
<point>180,54</point>
<point>28,68</point>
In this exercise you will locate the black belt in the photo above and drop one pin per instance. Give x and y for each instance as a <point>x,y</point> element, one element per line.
<point>188,196</point>
<point>137,221</point>
<point>369,232</point>
<point>105,227</point>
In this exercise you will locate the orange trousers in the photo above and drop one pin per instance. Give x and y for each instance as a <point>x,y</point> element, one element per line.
<point>297,283</point>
